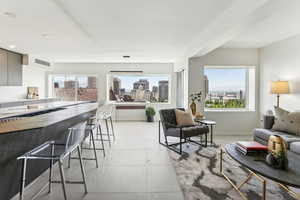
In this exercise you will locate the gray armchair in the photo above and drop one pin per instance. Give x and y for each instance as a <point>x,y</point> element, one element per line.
<point>184,133</point>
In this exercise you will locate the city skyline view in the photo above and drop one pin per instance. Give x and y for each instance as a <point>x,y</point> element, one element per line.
<point>129,80</point>
<point>139,88</point>
<point>230,80</point>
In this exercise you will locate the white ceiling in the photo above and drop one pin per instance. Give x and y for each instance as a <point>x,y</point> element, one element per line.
<point>281,21</point>
<point>147,30</point>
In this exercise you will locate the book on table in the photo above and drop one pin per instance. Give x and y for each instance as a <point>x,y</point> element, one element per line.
<point>251,147</point>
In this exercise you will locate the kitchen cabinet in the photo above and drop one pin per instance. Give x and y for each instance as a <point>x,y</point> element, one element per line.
<point>3,67</point>
<point>10,68</point>
<point>14,69</point>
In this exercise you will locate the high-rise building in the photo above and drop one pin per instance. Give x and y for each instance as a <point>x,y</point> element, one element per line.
<point>116,85</point>
<point>142,82</point>
<point>206,86</point>
<point>163,87</point>
<point>147,95</point>
<point>241,95</point>
<point>154,93</point>
<point>70,84</point>
<point>92,82</point>
<point>122,91</point>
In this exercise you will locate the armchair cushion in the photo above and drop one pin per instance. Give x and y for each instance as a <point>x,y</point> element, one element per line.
<point>187,131</point>
<point>184,118</point>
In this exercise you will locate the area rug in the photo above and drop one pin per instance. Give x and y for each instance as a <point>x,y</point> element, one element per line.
<point>199,178</point>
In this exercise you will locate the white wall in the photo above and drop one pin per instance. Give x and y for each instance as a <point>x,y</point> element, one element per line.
<point>32,76</point>
<point>281,61</point>
<point>102,69</point>
<point>228,122</point>
<point>183,64</point>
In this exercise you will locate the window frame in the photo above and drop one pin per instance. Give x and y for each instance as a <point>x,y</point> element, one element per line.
<point>247,88</point>
<point>51,82</point>
<point>111,74</point>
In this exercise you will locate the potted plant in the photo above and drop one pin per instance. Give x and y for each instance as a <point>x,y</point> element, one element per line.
<point>150,112</point>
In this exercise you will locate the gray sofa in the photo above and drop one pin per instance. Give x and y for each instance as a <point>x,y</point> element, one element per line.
<point>261,135</point>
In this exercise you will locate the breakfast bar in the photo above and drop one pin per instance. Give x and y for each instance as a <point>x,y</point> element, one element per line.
<point>26,127</point>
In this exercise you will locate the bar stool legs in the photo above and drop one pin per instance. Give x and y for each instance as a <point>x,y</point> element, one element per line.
<point>50,169</point>
<point>112,127</point>
<point>94,148</point>
<point>101,138</point>
<point>92,140</point>
<point>23,178</point>
<point>82,169</point>
<point>108,135</point>
<point>62,177</point>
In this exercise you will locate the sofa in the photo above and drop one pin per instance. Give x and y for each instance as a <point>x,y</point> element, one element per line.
<point>261,135</point>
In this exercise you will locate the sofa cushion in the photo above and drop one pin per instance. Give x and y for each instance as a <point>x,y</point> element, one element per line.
<point>184,118</point>
<point>190,131</point>
<point>264,134</point>
<point>295,147</point>
<point>287,121</point>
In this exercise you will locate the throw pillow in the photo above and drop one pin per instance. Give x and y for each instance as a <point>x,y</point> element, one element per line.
<point>287,121</point>
<point>184,118</point>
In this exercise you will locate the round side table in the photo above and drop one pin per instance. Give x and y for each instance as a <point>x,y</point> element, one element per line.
<point>211,124</point>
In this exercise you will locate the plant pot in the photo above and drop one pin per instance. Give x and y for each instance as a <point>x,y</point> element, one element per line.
<point>150,119</point>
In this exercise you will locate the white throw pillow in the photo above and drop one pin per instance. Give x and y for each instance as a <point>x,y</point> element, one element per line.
<point>287,121</point>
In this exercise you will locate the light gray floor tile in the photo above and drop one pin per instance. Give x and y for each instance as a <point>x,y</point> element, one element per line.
<point>162,179</point>
<point>166,196</point>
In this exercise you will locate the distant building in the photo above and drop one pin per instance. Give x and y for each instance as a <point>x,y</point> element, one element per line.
<point>206,86</point>
<point>116,85</point>
<point>140,94</point>
<point>163,87</point>
<point>92,82</point>
<point>122,91</point>
<point>142,82</point>
<point>147,95</point>
<point>241,95</point>
<point>154,93</point>
<point>70,84</point>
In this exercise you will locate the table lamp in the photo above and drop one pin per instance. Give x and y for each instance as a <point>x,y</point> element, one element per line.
<point>280,87</point>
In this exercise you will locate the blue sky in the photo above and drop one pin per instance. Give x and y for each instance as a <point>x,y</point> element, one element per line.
<point>226,79</point>
<point>127,81</point>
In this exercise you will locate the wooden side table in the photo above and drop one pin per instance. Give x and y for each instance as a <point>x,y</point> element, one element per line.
<point>211,124</point>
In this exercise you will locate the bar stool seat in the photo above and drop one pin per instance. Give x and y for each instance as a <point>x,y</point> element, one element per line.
<point>56,151</point>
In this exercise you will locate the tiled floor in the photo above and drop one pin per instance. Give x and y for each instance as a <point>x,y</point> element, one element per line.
<point>136,167</point>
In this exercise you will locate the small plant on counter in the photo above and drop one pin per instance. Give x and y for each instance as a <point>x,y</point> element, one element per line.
<point>150,113</point>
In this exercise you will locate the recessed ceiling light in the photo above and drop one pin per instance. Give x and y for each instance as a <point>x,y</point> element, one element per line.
<point>45,35</point>
<point>10,14</point>
<point>12,46</point>
<point>126,56</point>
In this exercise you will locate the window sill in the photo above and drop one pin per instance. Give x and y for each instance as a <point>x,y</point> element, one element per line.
<point>229,110</point>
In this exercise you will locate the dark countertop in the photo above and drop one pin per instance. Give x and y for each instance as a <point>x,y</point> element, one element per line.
<point>46,119</point>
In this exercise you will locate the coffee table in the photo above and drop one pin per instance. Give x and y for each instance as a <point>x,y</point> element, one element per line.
<point>258,168</point>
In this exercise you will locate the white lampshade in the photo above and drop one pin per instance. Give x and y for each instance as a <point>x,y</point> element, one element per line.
<point>280,87</point>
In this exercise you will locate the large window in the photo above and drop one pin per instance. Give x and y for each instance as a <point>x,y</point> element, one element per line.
<point>139,88</point>
<point>73,87</point>
<point>229,88</point>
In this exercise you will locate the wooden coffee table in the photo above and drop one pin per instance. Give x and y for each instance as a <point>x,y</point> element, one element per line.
<point>259,169</point>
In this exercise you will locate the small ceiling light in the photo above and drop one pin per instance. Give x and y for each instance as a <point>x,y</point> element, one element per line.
<point>12,46</point>
<point>126,56</point>
<point>10,14</point>
<point>46,35</point>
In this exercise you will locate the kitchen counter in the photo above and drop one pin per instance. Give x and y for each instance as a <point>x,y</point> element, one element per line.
<point>34,108</point>
<point>4,103</point>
